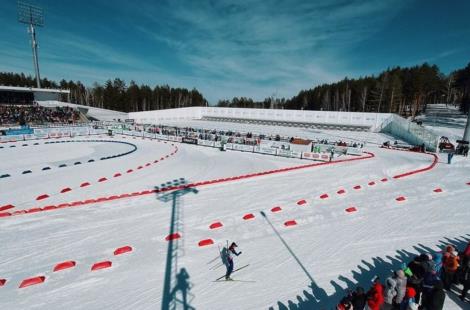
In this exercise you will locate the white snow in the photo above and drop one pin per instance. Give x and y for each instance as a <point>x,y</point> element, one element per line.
<point>327,251</point>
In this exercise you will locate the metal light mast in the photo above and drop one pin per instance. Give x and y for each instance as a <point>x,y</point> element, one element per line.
<point>32,15</point>
<point>466,134</point>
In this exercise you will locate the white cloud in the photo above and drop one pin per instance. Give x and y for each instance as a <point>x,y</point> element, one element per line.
<point>225,48</point>
<point>268,45</point>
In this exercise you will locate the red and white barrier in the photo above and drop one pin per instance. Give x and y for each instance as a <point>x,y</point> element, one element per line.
<point>173,236</point>
<point>122,250</point>
<point>290,223</point>
<point>215,225</point>
<point>6,207</point>
<point>248,216</point>
<point>205,242</point>
<point>43,196</point>
<point>64,265</point>
<point>101,265</point>
<point>400,198</point>
<point>32,281</point>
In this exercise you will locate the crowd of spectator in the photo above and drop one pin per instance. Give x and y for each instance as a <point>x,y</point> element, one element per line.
<point>247,138</point>
<point>420,284</point>
<point>35,114</point>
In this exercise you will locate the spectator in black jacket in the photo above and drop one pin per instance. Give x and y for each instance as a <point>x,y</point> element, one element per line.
<point>465,280</point>
<point>359,299</point>
<point>437,297</point>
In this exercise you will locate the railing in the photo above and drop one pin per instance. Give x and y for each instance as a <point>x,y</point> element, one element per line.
<point>410,132</point>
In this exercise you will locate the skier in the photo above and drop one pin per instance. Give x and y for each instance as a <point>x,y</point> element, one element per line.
<point>228,260</point>
<point>449,157</point>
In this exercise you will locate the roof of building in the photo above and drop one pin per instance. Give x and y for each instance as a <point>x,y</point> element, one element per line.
<point>33,89</point>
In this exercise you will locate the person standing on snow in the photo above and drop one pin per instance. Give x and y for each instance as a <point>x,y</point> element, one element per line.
<point>451,265</point>
<point>437,298</point>
<point>375,298</point>
<point>449,157</point>
<point>389,293</point>
<point>465,280</point>
<point>400,280</point>
<point>228,260</point>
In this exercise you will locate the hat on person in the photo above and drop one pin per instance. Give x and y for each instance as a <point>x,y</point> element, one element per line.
<point>410,292</point>
<point>400,273</point>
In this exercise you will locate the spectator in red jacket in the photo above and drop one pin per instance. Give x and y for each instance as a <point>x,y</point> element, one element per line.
<point>375,297</point>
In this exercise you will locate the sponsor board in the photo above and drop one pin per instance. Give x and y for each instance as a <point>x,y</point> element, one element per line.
<point>242,147</point>
<point>189,140</point>
<point>275,144</point>
<point>161,137</point>
<point>286,153</point>
<point>176,139</point>
<point>205,142</point>
<point>265,150</point>
<point>11,138</point>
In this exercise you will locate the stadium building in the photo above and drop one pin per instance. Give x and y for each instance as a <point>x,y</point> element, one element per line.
<point>28,95</point>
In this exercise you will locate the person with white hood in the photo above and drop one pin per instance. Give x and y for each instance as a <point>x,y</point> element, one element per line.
<point>390,292</point>
<point>400,280</point>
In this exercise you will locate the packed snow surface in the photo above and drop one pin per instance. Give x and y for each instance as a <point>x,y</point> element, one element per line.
<point>309,265</point>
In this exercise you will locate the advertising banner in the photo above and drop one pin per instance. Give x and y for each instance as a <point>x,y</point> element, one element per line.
<point>265,150</point>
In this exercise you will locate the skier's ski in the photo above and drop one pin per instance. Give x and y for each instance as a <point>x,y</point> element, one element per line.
<point>233,271</point>
<point>235,280</point>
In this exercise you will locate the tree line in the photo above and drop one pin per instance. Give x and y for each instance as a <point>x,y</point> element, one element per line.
<point>404,91</point>
<point>115,94</point>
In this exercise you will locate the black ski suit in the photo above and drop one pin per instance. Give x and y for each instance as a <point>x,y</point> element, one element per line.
<point>229,258</point>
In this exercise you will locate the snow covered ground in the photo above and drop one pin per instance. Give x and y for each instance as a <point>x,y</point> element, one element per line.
<point>304,266</point>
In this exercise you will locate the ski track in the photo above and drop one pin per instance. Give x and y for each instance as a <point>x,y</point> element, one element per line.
<point>336,249</point>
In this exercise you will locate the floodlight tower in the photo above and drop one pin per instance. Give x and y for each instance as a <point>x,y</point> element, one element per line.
<point>32,16</point>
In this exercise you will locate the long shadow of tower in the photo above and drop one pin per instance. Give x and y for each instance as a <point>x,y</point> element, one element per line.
<point>175,282</point>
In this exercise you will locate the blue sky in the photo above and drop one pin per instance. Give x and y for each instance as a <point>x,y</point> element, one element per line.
<point>229,48</point>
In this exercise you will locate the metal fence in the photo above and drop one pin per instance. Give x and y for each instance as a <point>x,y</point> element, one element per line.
<point>410,132</point>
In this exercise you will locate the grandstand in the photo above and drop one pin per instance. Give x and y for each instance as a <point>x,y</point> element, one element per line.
<point>19,106</point>
<point>351,122</point>
<point>28,95</point>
